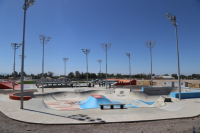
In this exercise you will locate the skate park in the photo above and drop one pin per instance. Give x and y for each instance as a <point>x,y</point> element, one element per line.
<point>81,105</point>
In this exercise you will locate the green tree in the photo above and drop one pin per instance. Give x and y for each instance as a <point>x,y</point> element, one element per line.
<point>195,76</point>
<point>71,75</point>
<point>93,75</point>
<point>103,75</point>
<point>118,75</point>
<point>175,76</point>
<point>16,74</point>
<point>82,76</point>
<point>24,74</point>
<point>77,74</point>
<point>182,76</point>
<point>50,74</point>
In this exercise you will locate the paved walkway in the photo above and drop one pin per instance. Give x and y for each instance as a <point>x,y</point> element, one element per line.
<point>35,112</point>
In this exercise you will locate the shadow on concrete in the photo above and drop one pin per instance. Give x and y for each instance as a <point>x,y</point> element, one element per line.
<point>115,108</point>
<point>79,117</point>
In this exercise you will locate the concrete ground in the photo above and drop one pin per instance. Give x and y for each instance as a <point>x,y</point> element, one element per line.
<point>180,119</point>
<point>161,126</point>
<point>35,111</point>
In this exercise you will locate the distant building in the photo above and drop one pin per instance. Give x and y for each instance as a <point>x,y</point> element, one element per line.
<point>27,78</point>
<point>167,77</point>
<point>163,77</point>
<point>174,84</point>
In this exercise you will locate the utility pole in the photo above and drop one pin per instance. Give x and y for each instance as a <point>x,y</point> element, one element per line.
<point>106,47</point>
<point>20,56</point>
<point>172,18</point>
<point>86,51</point>
<point>150,45</point>
<point>129,55</point>
<point>65,60</point>
<point>43,41</point>
<point>27,3</point>
<point>100,68</point>
<point>14,46</point>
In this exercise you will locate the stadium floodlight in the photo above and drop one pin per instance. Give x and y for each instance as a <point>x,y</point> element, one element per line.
<point>43,40</point>
<point>65,60</point>
<point>172,18</point>
<point>86,51</point>
<point>106,47</point>
<point>100,68</point>
<point>14,46</point>
<point>129,55</point>
<point>150,45</point>
<point>27,3</point>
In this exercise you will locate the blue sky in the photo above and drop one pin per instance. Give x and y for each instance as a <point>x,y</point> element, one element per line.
<point>85,24</point>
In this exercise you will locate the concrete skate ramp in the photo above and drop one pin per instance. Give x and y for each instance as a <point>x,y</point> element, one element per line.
<point>94,100</point>
<point>80,96</point>
<point>142,96</point>
<point>68,100</point>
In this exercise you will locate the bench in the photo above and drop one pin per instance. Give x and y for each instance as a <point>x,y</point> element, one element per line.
<point>112,105</point>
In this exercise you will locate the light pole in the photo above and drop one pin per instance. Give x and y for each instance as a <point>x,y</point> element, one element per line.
<point>106,47</point>
<point>172,18</point>
<point>100,68</point>
<point>150,45</point>
<point>43,41</point>
<point>129,55</point>
<point>27,3</point>
<point>14,46</point>
<point>20,56</point>
<point>65,60</point>
<point>86,51</point>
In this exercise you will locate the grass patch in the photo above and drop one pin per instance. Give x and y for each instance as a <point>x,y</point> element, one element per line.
<point>28,82</point>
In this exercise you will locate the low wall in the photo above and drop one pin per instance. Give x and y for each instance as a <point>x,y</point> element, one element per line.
<point>157,90</point>
<point>145,83</point>
<point>80,84</point>
<point>193,85</point>
<point>185,95</point>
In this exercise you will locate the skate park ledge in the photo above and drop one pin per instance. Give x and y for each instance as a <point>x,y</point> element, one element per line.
<point>186,95</point>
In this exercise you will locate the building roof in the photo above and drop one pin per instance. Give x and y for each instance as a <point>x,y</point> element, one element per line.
<point>167,77</point>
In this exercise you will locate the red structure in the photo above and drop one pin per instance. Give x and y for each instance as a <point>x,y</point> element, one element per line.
<point>123,82</point>
<point>7,85</point>
<point>17,96</point>
<point>133,82</point>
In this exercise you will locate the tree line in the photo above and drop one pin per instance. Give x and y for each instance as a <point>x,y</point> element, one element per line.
<point>80,75</point>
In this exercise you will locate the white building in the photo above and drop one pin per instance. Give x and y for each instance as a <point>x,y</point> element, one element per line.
<point>167,77</point>
<point>163,77</point>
